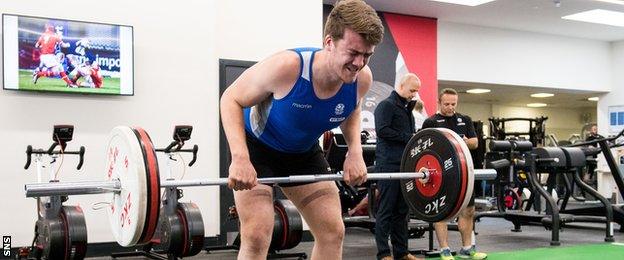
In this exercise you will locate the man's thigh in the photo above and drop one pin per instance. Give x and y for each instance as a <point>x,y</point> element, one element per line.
<point>318,202</point>
<point>255,206</point>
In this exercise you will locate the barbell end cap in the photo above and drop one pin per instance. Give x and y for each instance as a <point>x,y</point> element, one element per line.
<point>426,174</point>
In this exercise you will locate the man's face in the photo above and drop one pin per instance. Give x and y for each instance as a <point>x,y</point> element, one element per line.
<point>348,55</point>
<point>594,129</point>
<point>409,89</point>
<point>448,103</point>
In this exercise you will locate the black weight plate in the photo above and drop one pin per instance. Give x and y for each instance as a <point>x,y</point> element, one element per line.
<point>169,234</point>
<point>288,227</point>
<point>52,238</point>
<point>192,227</point>
<point>452,169</point>
<point>76,230</point>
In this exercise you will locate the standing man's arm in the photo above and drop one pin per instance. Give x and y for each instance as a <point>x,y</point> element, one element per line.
<point>428,123</point>
<point>253,86</point>
<point>472,143</point>
<point>354,166</point>
<point>471,135</point>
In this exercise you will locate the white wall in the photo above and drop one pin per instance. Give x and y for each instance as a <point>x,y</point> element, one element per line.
<point>476,111</point>
<point>177,47</point>
<point>252,30</point>
<point>469,53</point>
<point>616,96</point>
<point>488,55</point>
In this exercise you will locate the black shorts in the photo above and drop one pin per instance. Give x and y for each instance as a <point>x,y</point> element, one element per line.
<point>269,162</point>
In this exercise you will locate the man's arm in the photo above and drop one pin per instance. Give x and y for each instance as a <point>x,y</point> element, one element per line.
<point>253,86</point>
<point>472,143</point>
<point>351,131</point>
<point>428,123</point>
<point>354,166</point>
<point>383,124</point>
<point>471,135</point>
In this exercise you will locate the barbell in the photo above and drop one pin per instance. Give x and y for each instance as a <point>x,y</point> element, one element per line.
<point>436,178</point>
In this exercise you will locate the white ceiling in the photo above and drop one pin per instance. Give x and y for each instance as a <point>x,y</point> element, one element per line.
<point>542,16</point>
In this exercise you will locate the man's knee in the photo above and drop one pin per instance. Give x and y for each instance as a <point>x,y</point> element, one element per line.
<point>468,212</point>
<point>257,238</point>
<point>332,234</point>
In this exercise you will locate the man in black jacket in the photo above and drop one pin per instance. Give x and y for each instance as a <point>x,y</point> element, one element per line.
<point>394,125</point>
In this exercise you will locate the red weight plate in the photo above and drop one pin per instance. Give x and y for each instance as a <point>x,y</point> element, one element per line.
<point>432,186</point>
<point>153,183</point>
<point>461,155</point>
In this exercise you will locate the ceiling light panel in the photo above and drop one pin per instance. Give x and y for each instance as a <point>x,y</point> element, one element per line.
<point>542,95</point>
<point>617,2</point>
<point>478,91</point>
<point>598,16</point>
<point>465,2</point>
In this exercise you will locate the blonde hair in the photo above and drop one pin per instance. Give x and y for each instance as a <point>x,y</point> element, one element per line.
<point>357,16</point>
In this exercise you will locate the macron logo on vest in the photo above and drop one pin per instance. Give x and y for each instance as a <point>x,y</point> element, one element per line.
<point>302,106</point>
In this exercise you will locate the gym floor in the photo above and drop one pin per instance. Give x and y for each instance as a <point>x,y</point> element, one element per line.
<point>494,236</point>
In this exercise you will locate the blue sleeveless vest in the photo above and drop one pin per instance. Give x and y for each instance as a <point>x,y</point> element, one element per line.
<point>294,123</point>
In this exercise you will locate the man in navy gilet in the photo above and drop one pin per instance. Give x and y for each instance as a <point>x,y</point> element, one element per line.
<point>394,125</point>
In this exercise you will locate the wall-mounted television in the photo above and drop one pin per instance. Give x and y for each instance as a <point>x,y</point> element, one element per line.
<point>57,55</point>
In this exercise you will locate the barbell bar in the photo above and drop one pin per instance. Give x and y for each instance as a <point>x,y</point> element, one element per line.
<point>99,187</point>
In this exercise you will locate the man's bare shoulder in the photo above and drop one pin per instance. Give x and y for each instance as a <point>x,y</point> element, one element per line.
<point>277,71</point>
<point>282,63</point>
